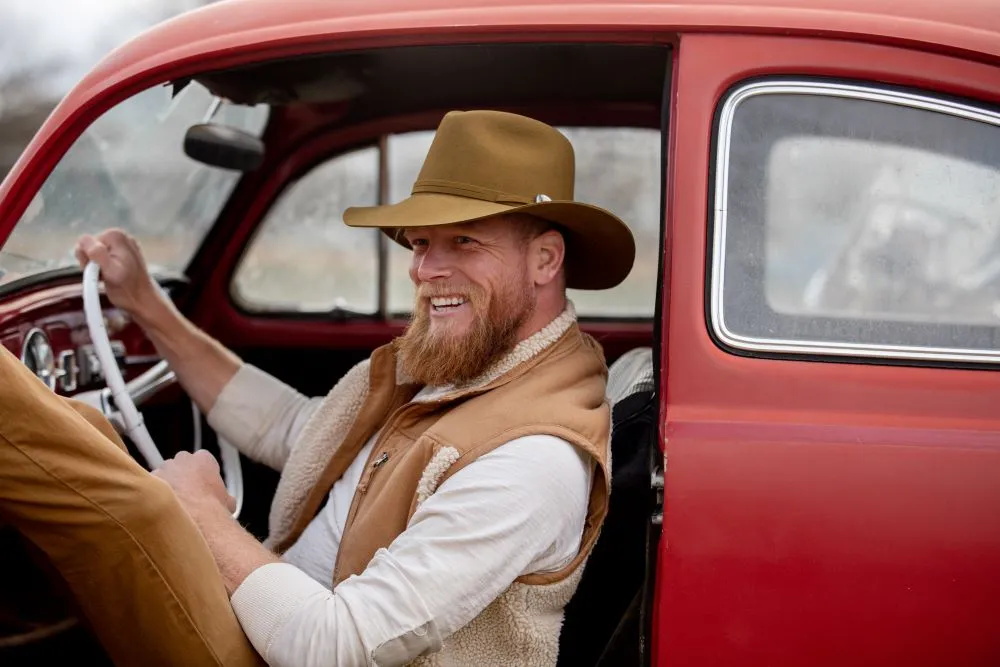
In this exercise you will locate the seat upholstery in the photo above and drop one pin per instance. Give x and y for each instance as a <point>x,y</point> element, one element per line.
<point>605,606</point>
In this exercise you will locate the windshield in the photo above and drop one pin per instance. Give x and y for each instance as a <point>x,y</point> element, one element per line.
<point>129,170</point>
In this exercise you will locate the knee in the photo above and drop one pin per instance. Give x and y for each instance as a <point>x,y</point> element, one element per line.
<point>98,421</point>
<point>147,505</point>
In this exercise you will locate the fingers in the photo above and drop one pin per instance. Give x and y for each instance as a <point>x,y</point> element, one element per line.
<point>102,246</point>
<point>206,459</point>
<point>89,249</point>
<point>81,256</point>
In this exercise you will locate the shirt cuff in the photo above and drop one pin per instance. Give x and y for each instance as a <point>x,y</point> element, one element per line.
<point>267,598</point>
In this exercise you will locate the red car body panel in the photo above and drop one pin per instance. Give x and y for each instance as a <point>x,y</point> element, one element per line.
<point>817,513</point>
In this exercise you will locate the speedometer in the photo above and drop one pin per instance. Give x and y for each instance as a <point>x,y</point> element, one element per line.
<point>37,355</point>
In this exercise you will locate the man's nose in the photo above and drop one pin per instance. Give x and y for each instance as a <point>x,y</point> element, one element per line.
<point>433,263</point>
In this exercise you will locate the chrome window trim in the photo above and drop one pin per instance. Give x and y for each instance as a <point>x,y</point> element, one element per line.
<point>818,347</point>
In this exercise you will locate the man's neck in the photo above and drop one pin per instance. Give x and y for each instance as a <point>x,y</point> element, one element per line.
<point>546,310</point>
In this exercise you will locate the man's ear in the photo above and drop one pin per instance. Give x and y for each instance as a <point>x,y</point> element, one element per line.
<point>548,252</point>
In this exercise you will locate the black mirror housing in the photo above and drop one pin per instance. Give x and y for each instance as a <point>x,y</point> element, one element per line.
<point>223,146</point>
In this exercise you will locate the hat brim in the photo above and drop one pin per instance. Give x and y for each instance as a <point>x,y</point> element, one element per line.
<point>600,249</point>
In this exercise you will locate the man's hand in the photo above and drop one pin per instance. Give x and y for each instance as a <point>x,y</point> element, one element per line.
<point>123,269</point>
<point>202,365</point>
<point>196,482</point>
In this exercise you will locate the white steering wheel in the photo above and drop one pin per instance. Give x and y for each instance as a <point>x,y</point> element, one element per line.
<point>131,422</point>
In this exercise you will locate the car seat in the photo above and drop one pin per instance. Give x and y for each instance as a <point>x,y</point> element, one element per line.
<point>602,624</point>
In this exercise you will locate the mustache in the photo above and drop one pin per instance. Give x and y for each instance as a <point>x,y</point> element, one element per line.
<point>434,291</point>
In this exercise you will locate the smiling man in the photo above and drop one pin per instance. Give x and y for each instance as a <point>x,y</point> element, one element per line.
<point>437,506</point>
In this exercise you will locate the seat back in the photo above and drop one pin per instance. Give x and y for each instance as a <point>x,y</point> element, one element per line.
<point>606,603</point>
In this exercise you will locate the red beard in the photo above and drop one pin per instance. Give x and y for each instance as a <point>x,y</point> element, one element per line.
<point>441,358</point>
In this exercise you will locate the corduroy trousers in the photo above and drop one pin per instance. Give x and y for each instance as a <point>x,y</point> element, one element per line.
<point>132,558</point>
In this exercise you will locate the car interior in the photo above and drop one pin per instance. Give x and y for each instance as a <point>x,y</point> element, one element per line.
<point>320,107</point>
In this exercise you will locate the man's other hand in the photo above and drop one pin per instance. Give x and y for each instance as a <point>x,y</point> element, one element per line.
<point>196,481</point>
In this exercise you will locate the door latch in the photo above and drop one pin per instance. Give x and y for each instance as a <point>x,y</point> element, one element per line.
<point>656,481</point>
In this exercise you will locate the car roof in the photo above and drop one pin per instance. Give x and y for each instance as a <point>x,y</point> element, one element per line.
<point>969,27</point>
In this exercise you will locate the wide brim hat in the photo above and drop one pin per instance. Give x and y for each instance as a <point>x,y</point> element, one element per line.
<point>487,163</point>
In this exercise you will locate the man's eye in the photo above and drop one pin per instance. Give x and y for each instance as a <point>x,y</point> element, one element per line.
<point>462,240</point>
<point>417,242</point>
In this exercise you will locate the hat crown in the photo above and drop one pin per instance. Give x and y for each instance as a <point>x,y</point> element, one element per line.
<point>499,157</point>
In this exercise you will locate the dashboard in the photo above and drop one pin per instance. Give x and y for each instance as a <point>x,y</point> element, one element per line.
<point>46,328</point>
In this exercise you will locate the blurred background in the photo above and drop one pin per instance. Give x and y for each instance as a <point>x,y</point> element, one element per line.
<point>46,46</point>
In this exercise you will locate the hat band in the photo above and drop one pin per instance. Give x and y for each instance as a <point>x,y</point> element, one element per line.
<point>469,190</point>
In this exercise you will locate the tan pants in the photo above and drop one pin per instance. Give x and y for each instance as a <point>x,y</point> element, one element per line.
<point>132,558</point>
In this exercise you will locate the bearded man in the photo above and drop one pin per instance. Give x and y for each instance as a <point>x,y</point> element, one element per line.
<point>436,507</point>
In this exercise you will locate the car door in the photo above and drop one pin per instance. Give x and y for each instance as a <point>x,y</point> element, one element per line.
<point>832,431</point>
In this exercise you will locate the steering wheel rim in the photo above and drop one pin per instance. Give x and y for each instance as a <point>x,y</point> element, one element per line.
<point>134,427</point>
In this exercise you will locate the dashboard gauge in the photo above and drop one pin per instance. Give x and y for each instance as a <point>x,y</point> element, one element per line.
<point>37,355</point>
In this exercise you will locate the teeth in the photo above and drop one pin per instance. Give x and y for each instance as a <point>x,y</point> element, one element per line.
<point>442,302</point>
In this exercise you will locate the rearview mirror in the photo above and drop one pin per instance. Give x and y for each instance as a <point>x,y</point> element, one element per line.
<point>223,146</point>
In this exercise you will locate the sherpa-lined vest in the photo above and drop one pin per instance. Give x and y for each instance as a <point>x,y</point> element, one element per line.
<point>552,384</point>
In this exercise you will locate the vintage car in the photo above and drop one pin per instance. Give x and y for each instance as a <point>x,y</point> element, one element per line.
<point>805,355</point>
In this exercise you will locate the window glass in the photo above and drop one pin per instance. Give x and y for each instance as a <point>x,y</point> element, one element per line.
<point>858,217</point>
<point>129,170</point>
<point>304,258</point>
<point>406,157</point>
<point>616,168</point>
<point>619,169</point>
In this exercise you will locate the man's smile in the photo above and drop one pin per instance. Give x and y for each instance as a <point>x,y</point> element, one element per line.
<point>447,305</point>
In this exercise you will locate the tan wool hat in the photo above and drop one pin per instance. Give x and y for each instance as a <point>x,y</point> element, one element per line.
<point>485,163</point>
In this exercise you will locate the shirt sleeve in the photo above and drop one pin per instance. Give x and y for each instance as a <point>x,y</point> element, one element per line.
<point>261,416</point>
<point>517,510</point>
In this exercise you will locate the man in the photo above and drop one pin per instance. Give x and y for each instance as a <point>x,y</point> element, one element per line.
<point>438,505</point>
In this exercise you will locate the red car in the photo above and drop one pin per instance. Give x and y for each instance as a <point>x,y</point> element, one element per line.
<point>812,476</point>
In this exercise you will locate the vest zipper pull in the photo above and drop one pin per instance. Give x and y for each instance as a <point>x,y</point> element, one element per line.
<point>376,464</point>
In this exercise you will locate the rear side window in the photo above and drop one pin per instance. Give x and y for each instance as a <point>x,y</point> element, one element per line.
<point>856,220</point>
<point>617,168</point>
<point>304,259</point>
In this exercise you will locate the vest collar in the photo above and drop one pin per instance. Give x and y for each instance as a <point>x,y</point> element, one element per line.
<point>524,351</point>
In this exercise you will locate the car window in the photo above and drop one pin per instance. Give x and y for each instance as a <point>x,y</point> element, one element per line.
<point>405,158</point>
<point>616,168</point>
<point>129,170</point>
<point>857,220</point>
<point>295,264</point>
<point>304,258</point>
<point>619,170</point>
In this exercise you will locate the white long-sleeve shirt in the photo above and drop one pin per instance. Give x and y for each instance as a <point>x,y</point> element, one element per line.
<point>518,510</point>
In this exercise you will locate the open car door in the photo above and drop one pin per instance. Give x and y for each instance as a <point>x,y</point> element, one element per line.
<point>830,387</point>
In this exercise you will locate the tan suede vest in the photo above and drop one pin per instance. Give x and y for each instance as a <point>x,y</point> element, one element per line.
<point>558,390</point>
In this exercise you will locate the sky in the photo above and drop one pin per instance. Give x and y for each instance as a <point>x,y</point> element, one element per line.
<point>73,35</point>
